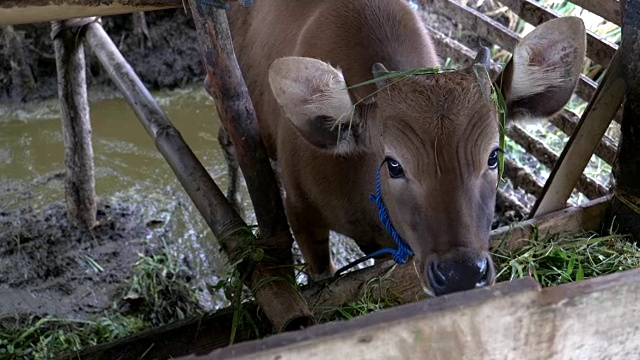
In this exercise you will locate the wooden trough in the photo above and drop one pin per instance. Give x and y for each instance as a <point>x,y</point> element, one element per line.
<point>515,320</point>
<point>595,318</point>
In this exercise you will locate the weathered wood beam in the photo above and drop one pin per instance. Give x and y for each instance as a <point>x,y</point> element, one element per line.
<point>506,200</point>
<point>279,299</point>
<point>33,11</point>
<point>79,184</point>
<point>608,9</point>
<point>582,143</point>
<point>591,319</point>
<point>598,49</point>
<point>587,217</point>
<point>226,85</point>
<point>626,171</point>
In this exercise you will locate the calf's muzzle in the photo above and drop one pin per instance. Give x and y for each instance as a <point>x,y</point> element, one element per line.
<point>459,270</point>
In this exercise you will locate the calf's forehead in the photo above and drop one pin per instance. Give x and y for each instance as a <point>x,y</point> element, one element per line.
<point>447,108</point>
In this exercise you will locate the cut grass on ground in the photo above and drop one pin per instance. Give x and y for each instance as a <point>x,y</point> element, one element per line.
<point>159,291</point>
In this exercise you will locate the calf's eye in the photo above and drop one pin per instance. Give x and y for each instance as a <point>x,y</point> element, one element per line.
<point>395,169</point>
<point>493,159</point>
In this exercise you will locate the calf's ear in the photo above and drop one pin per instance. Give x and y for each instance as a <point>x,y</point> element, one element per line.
<point>314,97</point>
<point>545,67</point>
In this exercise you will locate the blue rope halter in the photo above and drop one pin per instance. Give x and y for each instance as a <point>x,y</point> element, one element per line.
<point>402,253</point>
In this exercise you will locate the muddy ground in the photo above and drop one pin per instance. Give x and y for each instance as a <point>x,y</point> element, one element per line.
<point>45,264</point>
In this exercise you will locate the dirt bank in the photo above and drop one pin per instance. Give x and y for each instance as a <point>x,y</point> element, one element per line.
<point>167,59</point>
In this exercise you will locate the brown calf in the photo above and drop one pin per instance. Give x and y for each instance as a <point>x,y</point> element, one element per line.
<point>433,137</point>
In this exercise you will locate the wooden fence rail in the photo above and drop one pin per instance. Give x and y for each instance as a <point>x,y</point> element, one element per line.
<point>200,335</point>
<point>608,9</point>
<point>25,12</point>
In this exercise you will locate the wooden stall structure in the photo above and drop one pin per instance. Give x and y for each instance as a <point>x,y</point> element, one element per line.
<point>479,324</point>
<point>515,320</point>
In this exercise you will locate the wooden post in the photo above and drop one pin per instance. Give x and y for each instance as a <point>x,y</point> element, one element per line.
<point>279,300</point>
<point>227,86</point>
<point>76,127</point>
<point>626,170</point>
<point>22,79</point>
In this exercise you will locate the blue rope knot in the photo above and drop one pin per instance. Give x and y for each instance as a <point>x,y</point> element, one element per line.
<point>402,253</point>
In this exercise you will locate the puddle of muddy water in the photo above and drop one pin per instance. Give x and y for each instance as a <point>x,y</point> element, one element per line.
<point>129,170</point>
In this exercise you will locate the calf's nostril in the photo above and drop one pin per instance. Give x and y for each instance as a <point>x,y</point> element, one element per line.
<point>436,277</point>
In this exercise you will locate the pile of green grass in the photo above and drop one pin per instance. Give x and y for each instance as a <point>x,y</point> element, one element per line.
<point>557,259</point>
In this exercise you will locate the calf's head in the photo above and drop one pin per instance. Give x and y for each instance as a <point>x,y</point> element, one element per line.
<point>436,139</point>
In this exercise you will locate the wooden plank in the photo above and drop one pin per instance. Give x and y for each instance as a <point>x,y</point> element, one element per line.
<point>608,9</point>
<point>507,201</point>
<point>33,11</point>
<point>598,49</point>
<point>521,178</point>
<point>583,141</point>
<point>592,319</point>
<point>587,217</point>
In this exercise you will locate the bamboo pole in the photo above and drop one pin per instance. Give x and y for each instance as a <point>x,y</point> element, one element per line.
<point>626,171</point>
<point>32,11</point>
<point>226,85</point>
<point>80,193</point>
<point>278,299</point>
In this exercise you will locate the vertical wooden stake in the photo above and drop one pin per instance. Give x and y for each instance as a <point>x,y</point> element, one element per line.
<point>22,79</point>
<point>76,127</point>
<point>227,86</point>
<point>625,206</point>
